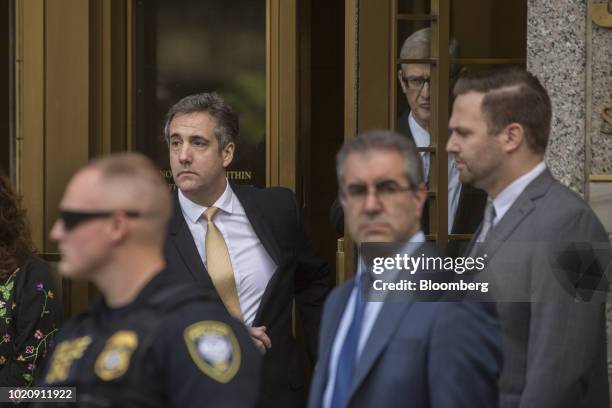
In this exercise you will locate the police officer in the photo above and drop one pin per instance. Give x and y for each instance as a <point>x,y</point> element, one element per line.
<point>148,342</point>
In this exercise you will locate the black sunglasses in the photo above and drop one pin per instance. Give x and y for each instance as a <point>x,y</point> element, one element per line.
<point>72,219</point>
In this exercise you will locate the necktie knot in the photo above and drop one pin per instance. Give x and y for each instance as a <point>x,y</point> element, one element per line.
<point>210,213</point>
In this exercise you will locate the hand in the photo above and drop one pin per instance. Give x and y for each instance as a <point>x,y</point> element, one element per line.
<point>260,338</point>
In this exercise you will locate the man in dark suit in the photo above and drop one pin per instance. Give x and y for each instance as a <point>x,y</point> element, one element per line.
<point>465,203</point>
<point>246,243</point>
<point>398,353</point>
<point>554,348</point>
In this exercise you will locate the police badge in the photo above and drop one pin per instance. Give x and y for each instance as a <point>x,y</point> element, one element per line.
<point>114,359</point>
<point>214,348</point>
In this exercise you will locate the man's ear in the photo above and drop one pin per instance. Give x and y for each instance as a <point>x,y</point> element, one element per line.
<point>119,226</point>
<point>228,154</point>
<point>513,136</point>
<point>400,78</point>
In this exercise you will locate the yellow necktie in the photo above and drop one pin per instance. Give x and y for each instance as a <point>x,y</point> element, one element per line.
<point>219,266</point>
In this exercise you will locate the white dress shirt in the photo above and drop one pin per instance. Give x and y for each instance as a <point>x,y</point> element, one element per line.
<point>253,267</point>
<point>370,314</point>
<point>422,139</point>
<point>508,196</point>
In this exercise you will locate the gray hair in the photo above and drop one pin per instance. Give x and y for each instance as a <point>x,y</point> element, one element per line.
<point>383,140</point>
<point>418,46</point>
<point>227,127</point>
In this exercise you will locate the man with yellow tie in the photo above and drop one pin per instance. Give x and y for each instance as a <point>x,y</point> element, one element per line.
<point>245,243</point>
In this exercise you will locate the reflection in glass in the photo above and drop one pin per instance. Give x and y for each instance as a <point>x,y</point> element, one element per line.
<point>190,46</point>
<point>414,103</point>
<point>414,99</point>
<point>485,29</point>
<point>405,29</point>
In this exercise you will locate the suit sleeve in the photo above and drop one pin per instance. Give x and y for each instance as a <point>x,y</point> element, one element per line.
<point>465,358</point>
<point>312,284</point>
<point>566,349</point>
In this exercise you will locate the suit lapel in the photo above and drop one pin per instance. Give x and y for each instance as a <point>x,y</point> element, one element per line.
<point>328,336</point>
<point>182,240</point>
<point>265,236</point>
<point>386,324</point>
<point>403,127</point>
<point>518,212</point>
<point>258,222</point>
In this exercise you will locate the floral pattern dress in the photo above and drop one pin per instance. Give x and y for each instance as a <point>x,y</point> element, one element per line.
<point>30,315</point>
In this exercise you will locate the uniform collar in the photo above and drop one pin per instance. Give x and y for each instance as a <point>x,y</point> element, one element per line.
<point>159,279</point>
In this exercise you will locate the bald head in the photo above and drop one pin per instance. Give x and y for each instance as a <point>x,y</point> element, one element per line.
<point>112,224</point>
<point>124,181</point>
<point>133,180</point>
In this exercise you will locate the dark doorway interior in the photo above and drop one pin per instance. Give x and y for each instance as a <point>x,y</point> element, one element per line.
<point>322,117</point>
<point>5,87</point>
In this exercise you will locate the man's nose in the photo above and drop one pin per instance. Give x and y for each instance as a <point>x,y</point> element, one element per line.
<point>372,202</point>
<point>425,90</point>
<point>451,145</point>
<point>56,231</point>
<point>184,153</point>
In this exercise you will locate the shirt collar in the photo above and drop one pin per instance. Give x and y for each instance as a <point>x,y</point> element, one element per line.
<point>419,133</point>
<point>193,211</point>
<point>508,196</point>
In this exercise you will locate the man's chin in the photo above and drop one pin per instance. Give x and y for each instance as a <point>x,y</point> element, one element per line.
<point>465,177</point>
<point>376,236</point>
<point>424,116</point>
<point>70,271</point>
<point>187,186</point>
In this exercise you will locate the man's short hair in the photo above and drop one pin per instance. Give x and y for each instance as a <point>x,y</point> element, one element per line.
<point>418,46</point>
<point>141,177</point>
<point>227,127</point>
<point>383,140</point>
<point>512,95</point>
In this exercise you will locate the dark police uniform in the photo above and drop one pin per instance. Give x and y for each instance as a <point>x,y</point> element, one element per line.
<point>173,346</point>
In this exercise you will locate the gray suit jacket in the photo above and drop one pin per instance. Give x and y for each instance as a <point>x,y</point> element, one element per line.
<point>554,349</point>
<point>418,354</point>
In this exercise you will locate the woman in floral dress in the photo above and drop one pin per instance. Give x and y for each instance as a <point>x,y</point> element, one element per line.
<point>30,311</point>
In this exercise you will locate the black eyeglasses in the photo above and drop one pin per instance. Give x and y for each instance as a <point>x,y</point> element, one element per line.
<point>416,83</point>
<point>72,219</point>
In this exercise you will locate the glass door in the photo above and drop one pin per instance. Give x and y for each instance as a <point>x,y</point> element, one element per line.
<point>404,53</point>
<point>193,46</point>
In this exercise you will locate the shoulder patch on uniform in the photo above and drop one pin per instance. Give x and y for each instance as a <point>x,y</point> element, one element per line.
<point>63,356</point>
<point>213,347</point>
<point>114,360</point>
